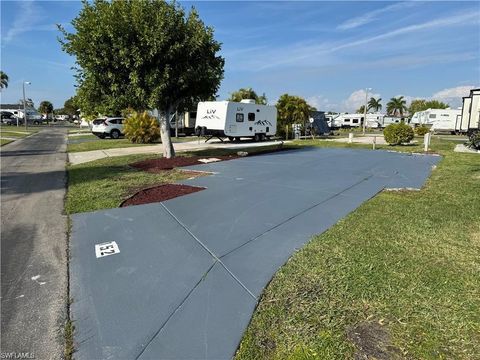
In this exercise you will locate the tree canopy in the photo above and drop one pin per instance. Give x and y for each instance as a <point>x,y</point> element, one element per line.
<point>142,55</point>
<point>3,80</point>
<point>422,105</point>
<point>248,93</point>
<point>397,106</point>
<point>46,107</point>
<point>70,106</point>
<point>361,109</point>
<point>374,104</point>
<point>292,109</point>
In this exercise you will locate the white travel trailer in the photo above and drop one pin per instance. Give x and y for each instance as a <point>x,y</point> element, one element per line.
<point>353,120</point>
<point>470,115</point>
<point>236,120</point>
<point>440,120</point>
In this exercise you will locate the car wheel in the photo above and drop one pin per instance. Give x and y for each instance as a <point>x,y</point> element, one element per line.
<point>36,122</point>
<point>115,134</point>
<point>101,136</point>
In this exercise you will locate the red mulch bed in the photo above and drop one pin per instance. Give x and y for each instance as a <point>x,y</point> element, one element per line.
<point>161,164</point>
<point>160,193</point>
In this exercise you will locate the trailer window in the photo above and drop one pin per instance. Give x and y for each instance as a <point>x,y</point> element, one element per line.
<point>251,116</point>
<point>355,121</point>
<point>347,120</point>
<point>432,116</point>
<point>239,117</point>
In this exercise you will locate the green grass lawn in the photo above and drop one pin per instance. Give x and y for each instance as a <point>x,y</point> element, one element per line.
<point>105,183</point>
<point>103,144</point>
<point>402,272</point>
<point>16,132</point>
<point>5,142</point>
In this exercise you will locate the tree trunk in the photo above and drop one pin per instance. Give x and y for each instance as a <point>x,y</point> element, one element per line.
<point>164,118</point>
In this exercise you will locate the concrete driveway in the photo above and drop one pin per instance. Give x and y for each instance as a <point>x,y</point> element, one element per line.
<point>186,274</point>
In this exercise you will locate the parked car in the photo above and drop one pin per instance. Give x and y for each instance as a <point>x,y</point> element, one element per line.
<point>8,118</point>
<point>112,127</point>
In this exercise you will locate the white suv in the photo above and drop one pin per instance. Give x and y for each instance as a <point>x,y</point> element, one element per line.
<point>112,127</point>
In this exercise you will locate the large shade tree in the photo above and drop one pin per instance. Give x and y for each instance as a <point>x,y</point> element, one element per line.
<point>3,80</point>
<point>70,106</point>
<point>45,107</point>
<point>397,106</point>
<point>292,109</point>
<point>248,93</point>
<point>422,105</point>
<point>142,55</point>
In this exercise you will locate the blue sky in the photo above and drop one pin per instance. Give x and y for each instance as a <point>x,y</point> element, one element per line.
<point>327,52</point>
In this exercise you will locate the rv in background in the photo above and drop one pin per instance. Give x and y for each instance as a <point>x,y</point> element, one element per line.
<point>33,116</point>
<point>388,120</point>
<point>439,120</point>
<point>470,116</point>
<point>337,121</point>
<point>236,120</point>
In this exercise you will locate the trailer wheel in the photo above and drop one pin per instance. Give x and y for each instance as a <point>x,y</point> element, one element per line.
<point>231,138</point>
<point>262,137</point>
<point>257,138</point>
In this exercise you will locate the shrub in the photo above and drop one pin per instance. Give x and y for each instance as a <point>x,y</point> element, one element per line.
<point>422,130</point>
<point>396,134</point>
<point>474,140</point>
<point>141,128</point>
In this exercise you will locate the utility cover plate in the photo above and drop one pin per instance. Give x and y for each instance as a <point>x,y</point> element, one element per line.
<point>106,248</point>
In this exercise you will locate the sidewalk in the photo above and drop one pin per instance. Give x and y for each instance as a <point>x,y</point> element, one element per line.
<point>360,139</point>
<point>86,156</point>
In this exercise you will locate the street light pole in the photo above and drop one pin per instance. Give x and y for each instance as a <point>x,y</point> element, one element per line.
<point>25,104</point>
<point>365,110</point>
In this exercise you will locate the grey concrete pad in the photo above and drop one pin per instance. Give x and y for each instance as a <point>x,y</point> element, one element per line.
<point>202,329</point>
<point>121,300</point>
<point>190,269</point>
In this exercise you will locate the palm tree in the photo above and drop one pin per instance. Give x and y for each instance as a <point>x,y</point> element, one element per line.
<point>361,109</point>
<point>3,80</point>
<point>46,108</point>
<point>374,104</point>
<point>397,106</point>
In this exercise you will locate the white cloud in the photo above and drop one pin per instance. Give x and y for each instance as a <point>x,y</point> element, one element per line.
<point>302,53</point>
<point>453,94</point>
<point>356,99</point>
<point>28,18</point>
<point>321,103</point>
<point>372,15</point>
<point>460,18</point>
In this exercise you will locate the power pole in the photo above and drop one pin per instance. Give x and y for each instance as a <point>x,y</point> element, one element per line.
<point>365,111</point>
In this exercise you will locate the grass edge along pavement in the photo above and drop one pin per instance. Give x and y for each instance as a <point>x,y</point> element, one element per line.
<point>105,183</point>
<point>400,270</point>
<point>397,278</point>
<point>105,144</point>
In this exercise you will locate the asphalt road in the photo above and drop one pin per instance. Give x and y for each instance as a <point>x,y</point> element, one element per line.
<point>33,245</point>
